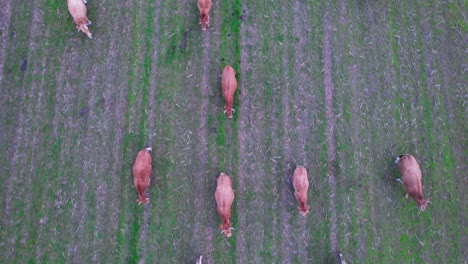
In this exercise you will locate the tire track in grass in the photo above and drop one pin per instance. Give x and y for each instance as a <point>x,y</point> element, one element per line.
<point>329,93</point>
<point>32,185</point>
<point>294,241</point>
<point>161,225</point>
<point>20,96</point>
<point>67,133</point>
<point>5,20</point>
<point>357,206</point>
<point>274,175</point>
<point>253,116</point>
<point>285,182</point>
<point>113,194</point>
<point>441,154</point>
<point>243,125</point>
<point>202,237</point>
<point>451,80</point>
<point>64,97</point>
<point>25,151</point>
<point>140,96</point>
<point>305,107</point>
<point>152,41</point>
<point>133,137</point>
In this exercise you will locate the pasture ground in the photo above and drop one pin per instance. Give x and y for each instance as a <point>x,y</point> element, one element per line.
<point>341,88</point>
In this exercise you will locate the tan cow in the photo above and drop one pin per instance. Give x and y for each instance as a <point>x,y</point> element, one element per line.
<point>224,196</point>
<point>141,174</point>
<point>411,179</point>
<point>301,185</point>
<point>204,6</point>
<point>77,9</point>
<point>229,85</point>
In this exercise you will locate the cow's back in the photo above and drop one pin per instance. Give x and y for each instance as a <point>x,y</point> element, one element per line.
<point>224,194</point>
<point>229,82</point>
<point>77,9</point>
<point>300,182</point>
<point>411,174</point>
<point>142,167</point>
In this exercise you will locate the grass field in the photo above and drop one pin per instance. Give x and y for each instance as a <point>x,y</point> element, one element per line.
<point>340,87</point>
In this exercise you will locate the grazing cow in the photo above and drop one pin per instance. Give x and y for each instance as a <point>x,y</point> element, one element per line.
<point>204,6</point>
<point>301,184</point>
<point>141,174</point>
<point>411,179</point>
<point>229,85</point>
<point>77,9</point>
<point>224,196</point>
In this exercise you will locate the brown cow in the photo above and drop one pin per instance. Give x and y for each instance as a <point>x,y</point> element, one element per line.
<point>77,9</point>
<point>224,196</point>
<point>204,6</point>
<point>411,179</point>
<point>141,174</point>
<point>229,85</point>
<point>301,184</point>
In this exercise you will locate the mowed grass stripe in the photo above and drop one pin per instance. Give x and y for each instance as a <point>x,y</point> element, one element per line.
<point>133,141</point>
<point>350,180</point>
<point>311,114</point>
<point>274,88</point>
<point>227,143</point>
<point>31,152</point>
<point>252,194</point>
<point>172,166</point>
<point>440,153</point>
<point>5,29</point>
<point>381,144</point>
<point>287,102</point>
<point>12,77</point>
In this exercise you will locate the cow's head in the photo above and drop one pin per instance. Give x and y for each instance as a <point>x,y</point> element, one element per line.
<point>228,111</point>
<point>226,228</point>
<point>204,21</point>
<point>304,210</point>
<point>84,28</point>
<point>422,205</point>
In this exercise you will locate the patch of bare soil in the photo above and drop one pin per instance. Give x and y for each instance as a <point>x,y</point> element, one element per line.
<point>329,93</point>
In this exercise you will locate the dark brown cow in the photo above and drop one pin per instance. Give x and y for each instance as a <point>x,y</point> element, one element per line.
<point>224,196</point>
<point>204,6</point>
<point>78,10</point>
<point>141,174</point>
<point>411,178</point>
<point>229,85</point>
<point>301,185</point>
